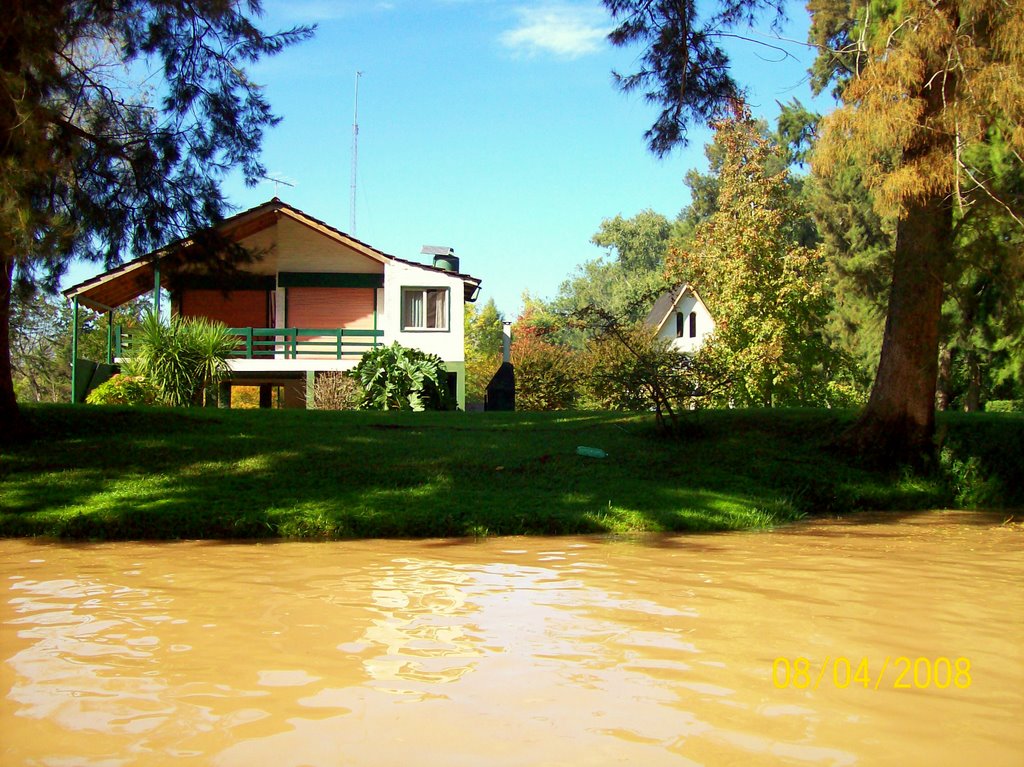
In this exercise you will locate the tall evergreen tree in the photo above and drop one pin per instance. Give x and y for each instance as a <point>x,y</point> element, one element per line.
<point>92,168</point>
<point>923,84</point>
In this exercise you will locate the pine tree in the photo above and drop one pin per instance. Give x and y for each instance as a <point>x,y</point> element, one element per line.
<point>93,168</point>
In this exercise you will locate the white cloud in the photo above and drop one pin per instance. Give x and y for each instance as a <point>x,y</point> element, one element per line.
<point>568,31</point>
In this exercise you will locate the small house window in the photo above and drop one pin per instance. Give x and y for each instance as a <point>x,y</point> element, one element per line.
<point>680,323</point>
<point>424,308</point>
<point>693,324</point>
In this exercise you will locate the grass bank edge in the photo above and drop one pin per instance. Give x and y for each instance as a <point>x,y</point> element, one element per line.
<point>137,473</point>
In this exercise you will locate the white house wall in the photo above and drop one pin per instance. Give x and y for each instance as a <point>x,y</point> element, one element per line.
<point>446,344</point>
<point>705,325</point>
<point>293,247</point>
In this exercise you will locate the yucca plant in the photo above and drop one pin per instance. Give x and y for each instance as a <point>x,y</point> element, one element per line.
<point>183,357</point>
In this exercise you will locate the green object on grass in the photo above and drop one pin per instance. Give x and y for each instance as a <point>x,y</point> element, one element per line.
<point>591,452</point>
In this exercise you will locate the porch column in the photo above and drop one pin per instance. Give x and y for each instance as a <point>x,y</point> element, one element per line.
<point>375,293</point>
<point>74,350</point>
<point>156,287</point>
<point>110,337</point>
<point>310,390</point>
<point>224,395</point>
<point>266,395</point>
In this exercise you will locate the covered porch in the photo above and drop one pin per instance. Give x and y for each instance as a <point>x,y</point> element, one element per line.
<point>287,357</point>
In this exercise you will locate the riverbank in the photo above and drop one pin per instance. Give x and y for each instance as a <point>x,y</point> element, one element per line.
<point>133,473</point>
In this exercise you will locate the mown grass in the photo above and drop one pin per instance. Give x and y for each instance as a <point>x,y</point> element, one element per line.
<point>132,473</point>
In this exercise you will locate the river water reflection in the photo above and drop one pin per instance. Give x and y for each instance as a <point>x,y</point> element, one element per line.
<point>568,651</point>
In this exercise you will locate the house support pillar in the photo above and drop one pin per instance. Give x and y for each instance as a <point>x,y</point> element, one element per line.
<point>74,351</point>
<point>224,395</point>
<point>310,390</point>
<point>156,288</point>
<point>457,371</point>
<point>266,395</point>
<point>110,337</point>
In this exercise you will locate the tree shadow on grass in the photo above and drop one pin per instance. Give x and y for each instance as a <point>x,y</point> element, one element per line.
<point>163,474</point>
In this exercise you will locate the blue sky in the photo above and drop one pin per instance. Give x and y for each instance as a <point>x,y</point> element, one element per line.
<point>489,126</point>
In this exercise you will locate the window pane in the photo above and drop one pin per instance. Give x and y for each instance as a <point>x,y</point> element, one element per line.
<point>437,314</point>
<point>413,309</point>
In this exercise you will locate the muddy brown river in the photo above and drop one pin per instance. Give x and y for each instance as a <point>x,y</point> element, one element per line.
<point>856,642</point>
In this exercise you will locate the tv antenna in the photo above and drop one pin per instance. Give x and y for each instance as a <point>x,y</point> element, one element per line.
<point>277,180</point>
<point>355,159</point>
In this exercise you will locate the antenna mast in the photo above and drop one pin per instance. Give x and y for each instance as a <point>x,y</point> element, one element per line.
<point>355,159</point>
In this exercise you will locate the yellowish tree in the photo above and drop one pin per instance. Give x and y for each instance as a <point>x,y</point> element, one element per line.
<point>765,291</point>
<point>924,83</point>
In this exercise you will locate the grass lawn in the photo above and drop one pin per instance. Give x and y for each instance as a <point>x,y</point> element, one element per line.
<point>132,473</point>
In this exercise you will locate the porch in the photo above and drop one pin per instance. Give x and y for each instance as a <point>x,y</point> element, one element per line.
<point>269,346</point>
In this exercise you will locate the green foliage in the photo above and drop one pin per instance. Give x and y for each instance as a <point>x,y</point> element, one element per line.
<point>40,347</point>
<point>41,342</point>
<point>683,69</point>
<point>638,243</point>
<point>630,368</point>
<point>484,339</point>
<point>547,375</point>
<point>857,245</point>
<point>1005,406</point>
<point>396,377</point>
<point>619,373</point>
<point>122,389</point>
<point>181,358</point>
<point>97,162</point>
<point>929,91</point>
<point>624,283</point>
<point>766,293</point>
<point>982,457</point>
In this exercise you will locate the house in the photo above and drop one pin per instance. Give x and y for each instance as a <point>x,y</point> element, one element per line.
<point>311,299</point>
<point>681,317</point>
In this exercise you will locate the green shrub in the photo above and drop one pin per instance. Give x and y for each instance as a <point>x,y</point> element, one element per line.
<point>183,357</point>
<point>396,377</point>
<point>122,389</point>
<point>635,370</point>
<point>1004,406</point>
<point>983,458</point>
<point>480,369</point>
<point>547,376</point>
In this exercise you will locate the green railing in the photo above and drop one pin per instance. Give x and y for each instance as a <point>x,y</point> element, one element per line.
<point>283,343</point>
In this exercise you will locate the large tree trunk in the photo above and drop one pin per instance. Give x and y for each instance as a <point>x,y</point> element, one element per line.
<point>972,402</point>
<point>944,393</point>
<point>12,424</point>
<point>898,424</point>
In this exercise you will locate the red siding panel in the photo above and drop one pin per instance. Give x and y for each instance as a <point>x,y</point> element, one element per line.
<point>236,308</point>
<point>330,308</point>
<point>321,308</point>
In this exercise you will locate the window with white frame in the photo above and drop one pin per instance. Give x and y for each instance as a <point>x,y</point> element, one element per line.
<point>424,308</point>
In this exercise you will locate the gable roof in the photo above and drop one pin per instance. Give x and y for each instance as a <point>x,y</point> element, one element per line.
<point>128,281</point>
<point>667,303</point>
